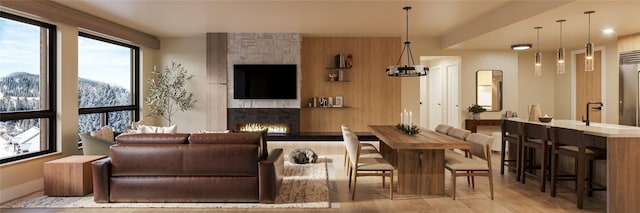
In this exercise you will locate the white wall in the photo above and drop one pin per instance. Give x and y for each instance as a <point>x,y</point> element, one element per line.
<point>191,53</point>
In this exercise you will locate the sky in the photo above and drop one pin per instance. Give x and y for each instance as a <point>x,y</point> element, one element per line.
<point>97,60</point>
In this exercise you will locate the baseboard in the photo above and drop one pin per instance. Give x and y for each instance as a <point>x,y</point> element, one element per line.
<point>21,190</point>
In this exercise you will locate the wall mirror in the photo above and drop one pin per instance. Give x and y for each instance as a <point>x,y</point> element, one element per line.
<point>489,89</point>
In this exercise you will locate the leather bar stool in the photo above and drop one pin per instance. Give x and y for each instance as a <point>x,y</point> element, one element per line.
<point>572,143</point>
<point>535,140</point>
<point>511,133</point>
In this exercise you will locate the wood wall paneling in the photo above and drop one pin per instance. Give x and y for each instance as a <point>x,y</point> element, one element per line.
<point>370,96</point>
<point>588,87</point>
<point>629,42</point>
<point>217,81</point>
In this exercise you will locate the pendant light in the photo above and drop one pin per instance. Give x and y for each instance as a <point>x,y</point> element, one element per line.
<point>588,56</point>
<point>560,54</point>
<point>410,69</point>
<point>538,56</point>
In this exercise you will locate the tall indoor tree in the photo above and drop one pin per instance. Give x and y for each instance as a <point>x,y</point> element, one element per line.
<point>167,93</point>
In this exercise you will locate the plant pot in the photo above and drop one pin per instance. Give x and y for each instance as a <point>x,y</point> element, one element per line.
<point>476,116</point>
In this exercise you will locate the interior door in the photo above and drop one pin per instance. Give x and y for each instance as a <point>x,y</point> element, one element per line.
<point>452,109</point>
<point>588,87</point>
<point>435,97</point>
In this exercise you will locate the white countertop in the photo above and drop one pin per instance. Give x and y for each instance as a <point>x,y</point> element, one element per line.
<point>598,129</point>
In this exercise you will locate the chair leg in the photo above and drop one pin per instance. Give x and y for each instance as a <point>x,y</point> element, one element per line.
<point>350,176</point>
<point>554,173</point>
<point>491,184</point>
<point>353,190</point>
<point>590,179</point>
<point>473,181</point>
<point>391,185</point>
<point>383,174</point>
<point>580,181</point>
<point>453,184</point>
<point>502,155</point>
<point>543,168</point>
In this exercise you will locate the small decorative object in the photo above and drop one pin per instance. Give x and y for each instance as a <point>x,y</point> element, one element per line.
<point>545,119</point>
<point>476,109</point>
<point>338,102</point>
<point>348,62</point>
<point>340,63</point>
<point>534,112</point>
<point>303,156</point>
<point>406,123</point>
<point>330,102</point>
<point>409,130</point>
<point>333,76</point>
<point>323,102</point>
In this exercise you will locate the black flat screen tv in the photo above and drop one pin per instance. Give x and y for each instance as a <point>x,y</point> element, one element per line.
<point>265,81</point>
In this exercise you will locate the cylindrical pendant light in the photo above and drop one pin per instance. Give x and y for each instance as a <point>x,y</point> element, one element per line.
<point>560,54</point>
<point>588,56</point>
<point>538,56</point>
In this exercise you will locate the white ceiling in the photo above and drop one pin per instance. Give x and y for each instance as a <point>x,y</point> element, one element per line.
<point>458,24</point>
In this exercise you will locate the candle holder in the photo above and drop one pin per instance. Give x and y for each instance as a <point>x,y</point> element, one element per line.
<point>408,129</point>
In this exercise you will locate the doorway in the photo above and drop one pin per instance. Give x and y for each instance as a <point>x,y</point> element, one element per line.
<point>441,89</point>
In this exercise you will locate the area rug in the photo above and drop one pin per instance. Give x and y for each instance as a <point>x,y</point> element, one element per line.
<point>304,186</point>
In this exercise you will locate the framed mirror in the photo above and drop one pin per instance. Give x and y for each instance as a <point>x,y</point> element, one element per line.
<point>489,89</point>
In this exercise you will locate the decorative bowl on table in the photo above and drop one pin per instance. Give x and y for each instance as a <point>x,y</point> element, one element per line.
<point>545,119</point>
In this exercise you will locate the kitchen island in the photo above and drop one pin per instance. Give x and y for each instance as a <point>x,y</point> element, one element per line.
<point>623,158</point>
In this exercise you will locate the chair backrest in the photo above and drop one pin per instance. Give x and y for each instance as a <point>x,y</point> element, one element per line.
<point>459,133</point>
<point>443,128</point>
<point>353,148</point>
<point>562,136</point>
<point>480,145</point>
<point>511,128</point>
<point>536,131</point>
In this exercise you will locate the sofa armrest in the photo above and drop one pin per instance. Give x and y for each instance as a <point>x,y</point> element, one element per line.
<point>271,172</point>
<point>101,173</point>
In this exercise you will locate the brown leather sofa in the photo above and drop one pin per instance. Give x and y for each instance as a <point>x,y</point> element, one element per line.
<point>208,167</point>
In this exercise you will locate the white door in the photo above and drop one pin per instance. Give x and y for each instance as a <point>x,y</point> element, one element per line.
<point>452,109</point>
<point>435,97</point>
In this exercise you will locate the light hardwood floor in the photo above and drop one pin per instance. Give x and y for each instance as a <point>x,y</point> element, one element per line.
<point>510,196</point>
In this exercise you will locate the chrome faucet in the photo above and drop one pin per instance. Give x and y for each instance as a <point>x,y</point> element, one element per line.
<point>599,107</point>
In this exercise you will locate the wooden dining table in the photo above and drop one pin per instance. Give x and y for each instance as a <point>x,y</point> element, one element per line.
<point>418,158</point>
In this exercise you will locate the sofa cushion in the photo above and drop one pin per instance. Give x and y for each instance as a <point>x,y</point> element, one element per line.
<point>152,138</point>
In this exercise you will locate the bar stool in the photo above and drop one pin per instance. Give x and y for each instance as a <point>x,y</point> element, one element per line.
<point>535,137</point>
<point>572,143</point>
<point>512,134</point>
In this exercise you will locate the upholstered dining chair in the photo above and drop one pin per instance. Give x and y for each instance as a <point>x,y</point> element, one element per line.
<point>366,166</point>
<point>535,138</point>
<point>479,163</point>
<point>511,134</point>
<point>459,133</point>
<point>572,143</point>
<point>443,128</point>
<point>368,150</point>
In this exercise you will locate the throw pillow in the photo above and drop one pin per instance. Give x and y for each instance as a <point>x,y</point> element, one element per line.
<point>104,133</point>
<point>158,129</point>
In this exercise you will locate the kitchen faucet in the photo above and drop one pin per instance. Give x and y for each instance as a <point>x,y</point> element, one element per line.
<point>595,108</point>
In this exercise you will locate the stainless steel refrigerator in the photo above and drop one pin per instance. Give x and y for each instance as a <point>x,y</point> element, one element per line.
<point>629,109</point>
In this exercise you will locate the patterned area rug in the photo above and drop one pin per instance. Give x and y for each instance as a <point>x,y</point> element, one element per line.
<point>304,186</point>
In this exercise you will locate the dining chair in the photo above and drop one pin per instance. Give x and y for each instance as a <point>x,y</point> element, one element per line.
<point>366,166</point>
<point>511,134</point>
<point>572,143</point>
<point>459,134</point>
<point>443,128</point>
<point>535,140</point>
<point>478,163</point>
<point>368,150</point>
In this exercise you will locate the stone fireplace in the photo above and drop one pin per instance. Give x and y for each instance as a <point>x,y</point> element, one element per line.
<point>280,121</point>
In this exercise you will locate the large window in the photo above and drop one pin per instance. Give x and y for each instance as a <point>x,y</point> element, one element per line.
<point>27,88</point>
<point>107,83</point>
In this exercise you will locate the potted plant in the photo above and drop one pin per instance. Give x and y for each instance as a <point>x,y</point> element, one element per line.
<point>167,93</point>
<point>476,109</point>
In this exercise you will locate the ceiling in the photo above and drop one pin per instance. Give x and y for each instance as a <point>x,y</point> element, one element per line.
<point>457,24</point>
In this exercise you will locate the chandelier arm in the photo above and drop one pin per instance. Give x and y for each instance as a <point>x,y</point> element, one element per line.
<point>401,53</point>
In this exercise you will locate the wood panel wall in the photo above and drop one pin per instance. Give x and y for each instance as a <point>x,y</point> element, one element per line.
<point>370,96</point>
<point>217,81</point>
<point>629,42</point>
<point>588,87</point>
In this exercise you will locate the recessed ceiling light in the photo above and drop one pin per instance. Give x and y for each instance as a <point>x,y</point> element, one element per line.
<point>521,46</point>
<point>607,31</point>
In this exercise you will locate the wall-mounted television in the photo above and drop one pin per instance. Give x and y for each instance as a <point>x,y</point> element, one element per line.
<point>265,81</point>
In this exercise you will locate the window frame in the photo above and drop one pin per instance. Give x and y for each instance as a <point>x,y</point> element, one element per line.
<point>50,94</point>
<point>135,86</point>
